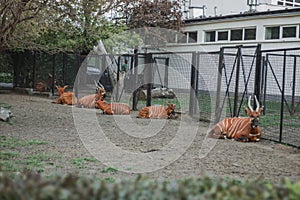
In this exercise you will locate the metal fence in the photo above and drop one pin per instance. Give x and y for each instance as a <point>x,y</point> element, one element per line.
<point>208,85</point>
<point>281,95</point>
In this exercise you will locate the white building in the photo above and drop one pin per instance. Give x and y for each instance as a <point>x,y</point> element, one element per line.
<point>273,29</point>
<point>206,8</point>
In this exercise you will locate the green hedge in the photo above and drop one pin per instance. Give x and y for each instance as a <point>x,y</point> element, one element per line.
<point>6,77</point>
<point>33,186</point>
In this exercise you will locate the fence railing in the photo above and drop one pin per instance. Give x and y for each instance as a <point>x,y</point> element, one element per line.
<point>210,85</point>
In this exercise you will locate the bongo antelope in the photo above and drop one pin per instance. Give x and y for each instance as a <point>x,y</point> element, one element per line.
<point>112,108</point>
<point>159,112</point>
<point>240,128</point>
<point>65,97</point>
<point>89,101</point>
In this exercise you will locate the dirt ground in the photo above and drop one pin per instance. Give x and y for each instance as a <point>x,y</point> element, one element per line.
<point>36,118</point>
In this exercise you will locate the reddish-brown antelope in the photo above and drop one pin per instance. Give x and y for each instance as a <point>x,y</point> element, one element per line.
<point>65,97</point>
<point>158,112</point>
<point>89,101</point>
<point>112,108</point>
<point>240,128</point>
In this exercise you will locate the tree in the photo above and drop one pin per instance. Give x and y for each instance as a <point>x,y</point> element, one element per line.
<point>14,13</point>
<point>156,20</point>
<point>55,25</point>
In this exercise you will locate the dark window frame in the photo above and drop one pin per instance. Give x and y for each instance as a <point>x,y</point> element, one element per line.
<point>222,38</point>
<point>236,34</point>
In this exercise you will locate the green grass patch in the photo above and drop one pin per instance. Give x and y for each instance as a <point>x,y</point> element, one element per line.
<point>79,162</point>
<point>13,158</point>
<point>5,105</point>
<point>36,142</point>
<point>109,170</point>
<point>8,155</point>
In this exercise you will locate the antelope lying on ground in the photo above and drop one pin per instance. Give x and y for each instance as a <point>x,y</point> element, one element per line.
<point>158,112</point>
<point>89,101</point>
<point>65,97</point>
<point>240,128</point>
<point>112,108</point>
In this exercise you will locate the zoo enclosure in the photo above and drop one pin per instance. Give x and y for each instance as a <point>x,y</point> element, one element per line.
<point>209,85</point>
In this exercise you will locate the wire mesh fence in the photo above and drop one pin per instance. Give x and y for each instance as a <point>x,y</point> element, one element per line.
<point>281,96</point>
<point>210,85</point>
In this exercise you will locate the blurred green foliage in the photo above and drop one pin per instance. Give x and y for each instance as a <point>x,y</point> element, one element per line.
<point>34,186</point>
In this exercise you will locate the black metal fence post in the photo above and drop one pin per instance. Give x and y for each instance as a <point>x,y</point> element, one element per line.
<point>258,73</point>
<point>148,74</point>
<point>294,86</point>
<point>135,80</point>
<point>265,75</point>
<point>166,78</point>
<point>193,84</point>
<point>33,70</point>
<point>53,74</point>
<point>282,98</point>
<point>237,79</point>
<point>118,79</point>
<point>219,82</point>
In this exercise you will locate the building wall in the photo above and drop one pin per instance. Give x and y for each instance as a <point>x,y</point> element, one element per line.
<point>260,22</point>
<point>225,7</point>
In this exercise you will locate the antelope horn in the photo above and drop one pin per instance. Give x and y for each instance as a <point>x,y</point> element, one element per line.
<point>257,104</point>
<point>99,85</point>
<point>249,104</point>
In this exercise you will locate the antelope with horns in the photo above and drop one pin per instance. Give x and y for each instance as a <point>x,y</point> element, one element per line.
<point>241,128</point>
<point>112,108</point>
<point>158,112</point>
<point>65,97</point>
<point>89,101</point>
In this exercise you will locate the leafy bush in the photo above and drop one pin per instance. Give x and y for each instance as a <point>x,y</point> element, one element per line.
<point>6,78</point>
<point>33,186</point>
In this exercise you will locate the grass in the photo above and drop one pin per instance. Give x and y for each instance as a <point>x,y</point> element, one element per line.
<point>79,162</point>
<point>109,170</point>
<point>5,105</point>
<point>13,157</point>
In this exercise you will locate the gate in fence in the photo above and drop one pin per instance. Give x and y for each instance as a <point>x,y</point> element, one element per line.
<point>238,78</point>
<point>281,95</point>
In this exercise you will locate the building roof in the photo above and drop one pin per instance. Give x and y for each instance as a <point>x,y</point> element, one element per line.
<point>243,15</point>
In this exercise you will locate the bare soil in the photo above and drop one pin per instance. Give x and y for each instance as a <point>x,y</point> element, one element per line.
<point>36,118</point>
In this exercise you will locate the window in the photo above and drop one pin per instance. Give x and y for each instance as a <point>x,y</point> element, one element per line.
<point>272,33</point>
<point>210,36</point>
<point>289,32</point>
<point>292,3</point>
<point>250,34</point>
<point>280,3</point>
<point>192,37</point>
<point>236,34</point>
<point>182,38</point>
<point>222,35</point>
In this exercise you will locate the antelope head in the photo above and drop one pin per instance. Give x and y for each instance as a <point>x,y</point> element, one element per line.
<point>100,90</point>
<point>60,90</point>
<point>170,108</point>
<point>253,114</point>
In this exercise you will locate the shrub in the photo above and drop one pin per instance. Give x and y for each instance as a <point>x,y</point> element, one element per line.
<point>33,186</point>
<point>6,78</point>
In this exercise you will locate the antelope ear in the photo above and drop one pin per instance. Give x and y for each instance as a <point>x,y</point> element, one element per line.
<point>56,86</point>
<point>65,86</point>
<point>247,111</point>
<point>260,110</point>
<point>167,103</point>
